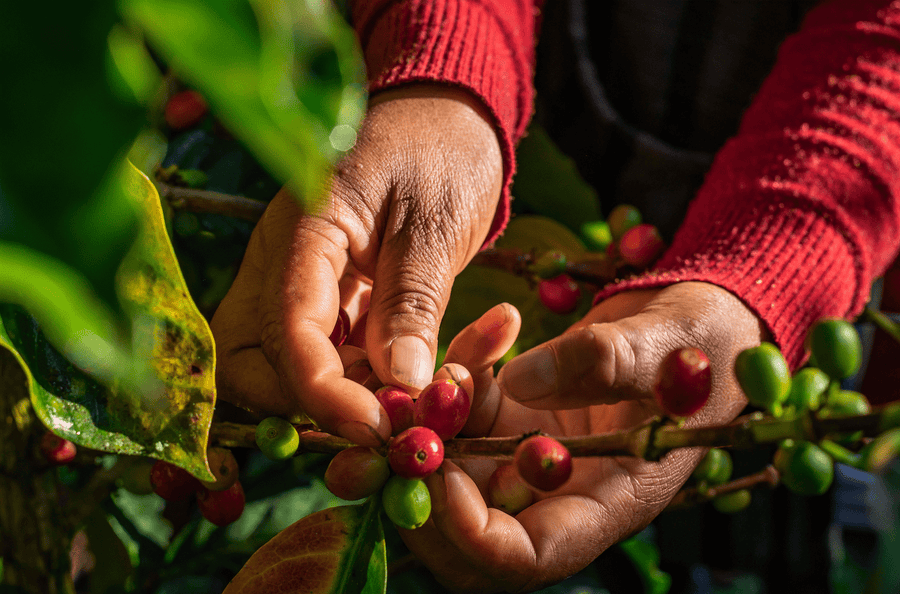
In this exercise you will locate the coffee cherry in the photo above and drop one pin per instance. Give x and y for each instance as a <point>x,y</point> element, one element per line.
<point>543,462</point>
<point>406,502</point>
<point>222,507</point>
<point>224,467</point>
<point>622,218</point>
<point>877,455</point>
<point>641,245</point>
<point>277,438</point>
<point>507,491</point>
<point>730,503</point>
<point>443,406</point>
<point>807,387</point>
<point>416,453</point>
<point>559,294</point>
<point>715,468</point>
<point>597,235</point>
<point>341,329</point>
<point>684,382</point>
<point>57,450</point>
<point>185,109</point>
<point>356,473</point>
<point>550,265</point>
<point>806,469</point>
<point>836,347</point>
<point>846,403</point>
<point>764,376</point>
<point>173,483</point>
<point>400,407</point>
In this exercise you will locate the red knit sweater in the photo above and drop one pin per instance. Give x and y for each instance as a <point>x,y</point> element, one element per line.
<point>800,210</point>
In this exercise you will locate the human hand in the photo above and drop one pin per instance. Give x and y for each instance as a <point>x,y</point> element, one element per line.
<point>595,378</point>
<point>408,208</point>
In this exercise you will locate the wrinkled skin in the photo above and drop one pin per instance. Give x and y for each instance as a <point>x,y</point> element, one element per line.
<point>408,208</point>
<point>605,367</point>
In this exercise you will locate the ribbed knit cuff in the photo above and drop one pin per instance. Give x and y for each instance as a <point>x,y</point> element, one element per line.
<point>484,46</point>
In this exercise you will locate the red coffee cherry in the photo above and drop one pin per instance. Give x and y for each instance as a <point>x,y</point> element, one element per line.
<point>416,453</point>
<point>400,407</point>
<point>356,473</point>
<point>173,483</point>
<point>543,462</point>
<point>507,491</point>
<point>559,294</point>
<point>222,507</point>
<point>224,467</point>
<point>443,406</point>
<point>684,382</point>
<point>185,109</point>
<point>57,450</point>
<point>641,245</point>
<point>341,329</point>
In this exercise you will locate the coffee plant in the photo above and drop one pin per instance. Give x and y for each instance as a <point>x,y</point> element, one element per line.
<point>142,141</point>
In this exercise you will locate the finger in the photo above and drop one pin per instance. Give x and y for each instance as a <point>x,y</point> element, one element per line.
<point>299,308</point>
<point>478,347</point>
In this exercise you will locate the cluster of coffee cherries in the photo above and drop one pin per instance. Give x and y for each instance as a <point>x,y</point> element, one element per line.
<point>221,501</point>
<point>807,468</point>
<point>622,237</point>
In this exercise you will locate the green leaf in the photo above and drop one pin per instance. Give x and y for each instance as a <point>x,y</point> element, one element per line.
<point>548,182</point>
<point>284,75</point>
<point>168,418</point>
<point>336,550</point>
<point>479,288</point>
<point>112,562</point>
<point>645,557</point>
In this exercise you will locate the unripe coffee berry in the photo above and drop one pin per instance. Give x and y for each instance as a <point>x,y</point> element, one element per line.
<point>224,467</point>
<point>400,407</point>
<point>341,329</point>
<point>185,109</point>
<point>731,503</point>
<point>836,347</point>
<point>622,218</point>
<point>543,462</point>
<point>443,406</point>
<point>807,387</point>
<point>507,491</point>
<point>559,294</point>
<point>277,438</point>
<point>356,473</point>
<point>715,468</point>
<point>597,235</point>
<point>416,453</point>
<point>222,507</point>
<point>641,245</point>
<point>406,502</point>
<point>550,265</point>
<point>806,469</point>
<point>684,382</point>
<point>57,450</point>
<point>173,483</point>
<point>764,376</point>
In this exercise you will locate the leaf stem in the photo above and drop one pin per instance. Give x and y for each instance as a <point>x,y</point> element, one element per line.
<point>693,496</point>
<point>206,201</point>
<point>882,321</point>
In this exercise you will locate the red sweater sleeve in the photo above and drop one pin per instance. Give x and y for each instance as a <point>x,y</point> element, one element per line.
<point>801,209</point>
<point>485,46</point>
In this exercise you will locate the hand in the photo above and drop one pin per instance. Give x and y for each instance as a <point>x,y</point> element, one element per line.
<point>408,208</point>
<point>595,378</point>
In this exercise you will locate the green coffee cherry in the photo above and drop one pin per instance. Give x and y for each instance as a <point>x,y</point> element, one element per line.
<point>836,347</point>
<point>715,468</point>
<point>806,469</point>
<point>596,235</point>
<point>550,265</point>
<point>807,387</point>
<point>622,218</point>
<point>880,452</point>
<point>764,376</point>
<point>406,502</point>
<point>730,503</point>
<point>277,438</point>
<point>846,403</point>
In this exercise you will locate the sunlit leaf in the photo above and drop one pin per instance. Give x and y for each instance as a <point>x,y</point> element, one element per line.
<point>169,417</point>
<point>336,550</point>
<point>284,75</point>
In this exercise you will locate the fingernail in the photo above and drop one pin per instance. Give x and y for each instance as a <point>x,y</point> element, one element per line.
<point>529,376</point>
<point>411,362</point>
<point>360,433</point>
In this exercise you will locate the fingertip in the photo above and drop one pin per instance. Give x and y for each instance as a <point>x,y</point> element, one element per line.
<point>411,362</point>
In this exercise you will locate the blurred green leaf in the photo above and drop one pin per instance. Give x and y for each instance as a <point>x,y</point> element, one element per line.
<point>548,182</point>
<point>284,75</point>
<point>645,557</point>
<point>112,563</point>
<point>347,556</point>
<point>168,418</point>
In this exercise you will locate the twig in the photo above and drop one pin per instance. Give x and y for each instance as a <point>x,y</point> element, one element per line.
<point>597,270</point>
<point>206,201</point>
<point>693,496</point>
<point>882,321</point>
